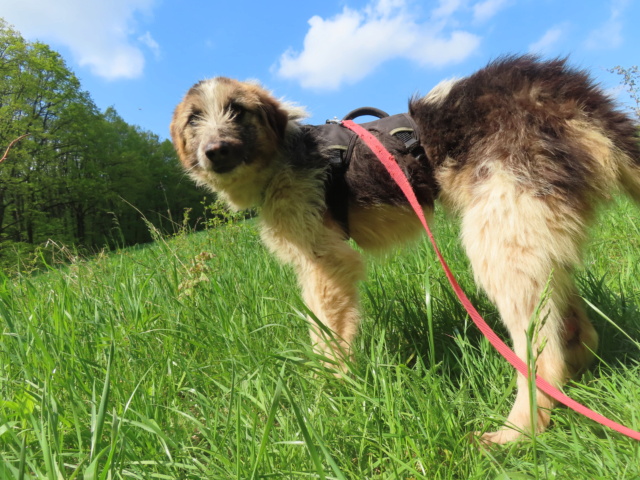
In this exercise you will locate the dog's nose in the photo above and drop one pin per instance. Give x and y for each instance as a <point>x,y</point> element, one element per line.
<point>217,151</point>
<point>223,156</point>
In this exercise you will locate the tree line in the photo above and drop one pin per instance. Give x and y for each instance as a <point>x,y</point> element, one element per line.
<point>74,174</point>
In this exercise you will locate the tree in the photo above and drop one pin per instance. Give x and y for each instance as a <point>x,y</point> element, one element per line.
<point>75,167</point>
<point>630,78</point>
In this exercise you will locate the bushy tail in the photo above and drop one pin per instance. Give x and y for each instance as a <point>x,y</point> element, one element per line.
<point>624,134</point>
<point>630,179</point>
<point>629,175</point>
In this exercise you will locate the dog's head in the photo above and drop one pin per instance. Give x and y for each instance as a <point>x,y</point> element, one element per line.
<point>228,133</point>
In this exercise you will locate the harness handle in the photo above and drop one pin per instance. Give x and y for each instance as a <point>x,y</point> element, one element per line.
<point>359,112</point>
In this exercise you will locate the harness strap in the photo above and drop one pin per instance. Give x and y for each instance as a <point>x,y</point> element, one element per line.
<point>337,190</point>
<point>340,144</point>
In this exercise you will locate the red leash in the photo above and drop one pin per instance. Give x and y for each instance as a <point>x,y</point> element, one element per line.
<point>399,177</point>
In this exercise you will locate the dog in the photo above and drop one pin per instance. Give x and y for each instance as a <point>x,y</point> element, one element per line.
<point>522,151</point>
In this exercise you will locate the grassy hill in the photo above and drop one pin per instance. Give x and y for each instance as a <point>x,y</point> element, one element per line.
<point>189,359</point>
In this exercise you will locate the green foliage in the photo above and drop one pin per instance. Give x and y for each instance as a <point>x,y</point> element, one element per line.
<point>79,176</point>
<point>217,214</point>
<point>190,359</point>
<point>630,78</point>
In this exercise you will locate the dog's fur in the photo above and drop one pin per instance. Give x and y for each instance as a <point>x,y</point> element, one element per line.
<point>523,151</point>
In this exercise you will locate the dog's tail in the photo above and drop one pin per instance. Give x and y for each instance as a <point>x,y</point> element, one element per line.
<point>630,167</point>
<point>614,143</point>
<point>631,181</point>
<point>598,130</point>
<point>610,136</point>
<point>625,153</point>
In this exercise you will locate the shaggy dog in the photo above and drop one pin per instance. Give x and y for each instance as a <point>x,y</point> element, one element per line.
<point>523,151</point>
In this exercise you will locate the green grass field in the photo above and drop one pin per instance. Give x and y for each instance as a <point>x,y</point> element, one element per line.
<point>189,359</point>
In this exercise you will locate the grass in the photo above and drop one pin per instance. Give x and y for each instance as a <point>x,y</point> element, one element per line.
<point>189,359</point>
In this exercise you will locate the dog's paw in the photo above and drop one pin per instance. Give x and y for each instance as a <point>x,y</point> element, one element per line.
<point>499,437</point>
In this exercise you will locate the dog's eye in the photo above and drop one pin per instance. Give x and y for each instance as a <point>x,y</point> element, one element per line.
<point>194,118</point>
<point>237,111</point>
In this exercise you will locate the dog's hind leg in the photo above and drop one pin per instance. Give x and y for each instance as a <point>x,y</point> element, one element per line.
<point>519,243</point>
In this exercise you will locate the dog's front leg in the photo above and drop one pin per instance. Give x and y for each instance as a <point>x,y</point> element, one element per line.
<point>329,279</point>
<point>328,271</point>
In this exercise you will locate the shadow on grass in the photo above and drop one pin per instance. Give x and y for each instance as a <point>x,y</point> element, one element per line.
<point>410,335</point>
<point>616,317</point>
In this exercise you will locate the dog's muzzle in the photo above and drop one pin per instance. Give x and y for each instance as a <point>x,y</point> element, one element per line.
<point>223,156</point>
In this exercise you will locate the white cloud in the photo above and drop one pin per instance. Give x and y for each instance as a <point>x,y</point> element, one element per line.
<point>148,40</point>
<point>547,42</point>
<point>101,35</point>
<point>352,44</point>
<point>447,8</point>
<point>483,11</point>
<point>609,35</point>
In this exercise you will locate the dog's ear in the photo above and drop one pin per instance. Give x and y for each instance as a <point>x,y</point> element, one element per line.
<point>176,128</point>
<point>276,117</point>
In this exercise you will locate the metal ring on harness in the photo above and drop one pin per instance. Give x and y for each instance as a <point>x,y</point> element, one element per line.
<point>359,112</point>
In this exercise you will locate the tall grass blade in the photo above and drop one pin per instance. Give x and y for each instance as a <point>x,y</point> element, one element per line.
<point>269,424</point>
<point>98,419</point>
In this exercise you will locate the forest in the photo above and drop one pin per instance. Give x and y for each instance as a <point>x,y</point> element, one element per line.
<point>74,175</point>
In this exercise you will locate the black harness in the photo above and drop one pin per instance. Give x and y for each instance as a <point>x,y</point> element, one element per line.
<point>339,144</point>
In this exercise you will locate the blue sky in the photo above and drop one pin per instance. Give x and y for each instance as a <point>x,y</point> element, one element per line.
<point>141,56</point>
